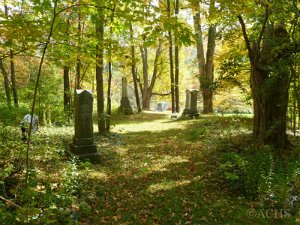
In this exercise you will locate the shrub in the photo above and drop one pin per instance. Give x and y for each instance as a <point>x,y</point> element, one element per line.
<point>12,116</point>
<point>257,174</point>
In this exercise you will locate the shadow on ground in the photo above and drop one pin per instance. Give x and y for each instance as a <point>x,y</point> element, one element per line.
<point>167,176</point>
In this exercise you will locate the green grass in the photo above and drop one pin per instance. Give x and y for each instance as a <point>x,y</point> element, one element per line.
<point>157,170</point>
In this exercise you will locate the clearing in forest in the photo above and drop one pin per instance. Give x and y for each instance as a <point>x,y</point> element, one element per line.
<point>157,170</point>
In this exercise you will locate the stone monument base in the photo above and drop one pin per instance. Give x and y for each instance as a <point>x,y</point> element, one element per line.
<point>83,151</point>
<point>191,113</point>
<point>125,107</point>
<point>125,110</point>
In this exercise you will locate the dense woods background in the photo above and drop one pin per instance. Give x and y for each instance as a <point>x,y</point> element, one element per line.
<point>242,55</point>
<point>163,47</point>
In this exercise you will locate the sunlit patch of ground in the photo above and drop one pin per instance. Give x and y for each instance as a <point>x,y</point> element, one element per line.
<point>160,121</point>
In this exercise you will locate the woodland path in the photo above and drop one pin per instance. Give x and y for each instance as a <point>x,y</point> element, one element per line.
<point>158,170</point>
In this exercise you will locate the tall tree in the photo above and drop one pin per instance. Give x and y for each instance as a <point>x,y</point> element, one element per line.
<point>67,97</point>
<point>147,88</point>
<point>12,68</point>
<point>206,65</point>
<point>108,108</point>
<point>134,71</point>
<point>13,79</point>
<point>269,56</point>
<point>66,74</point>
<point>176,52</point>
<point>79,38</point>
<point>99,67</point>
<point>172,78</point>
<point>6,83</point>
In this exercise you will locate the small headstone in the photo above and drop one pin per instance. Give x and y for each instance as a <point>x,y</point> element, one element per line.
<point>83,140</point>
<point>165,106</point>
<point>191,103</point>
<point>159,107</point>
<point>125,107</point>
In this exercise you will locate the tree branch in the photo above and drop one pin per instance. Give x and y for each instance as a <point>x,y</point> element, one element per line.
<point>161,94</point>
<point>264,26</point>
<point>154,75</point>
<point>248,45</point>
<point>10,202</point>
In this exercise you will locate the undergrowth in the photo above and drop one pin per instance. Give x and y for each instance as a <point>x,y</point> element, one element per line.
<point>51,195</point>
<point>207,170</point>
<point>259,174</point>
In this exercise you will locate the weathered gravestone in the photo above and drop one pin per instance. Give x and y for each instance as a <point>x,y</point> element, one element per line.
<point>165,106</point>
<point>162,106</point>
<point>83,140</point>
<point>159,107</point>
<point>125,107</point>
<point>191,103</point>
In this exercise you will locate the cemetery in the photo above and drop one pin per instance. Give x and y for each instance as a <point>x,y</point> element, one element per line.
<point>149,112</point>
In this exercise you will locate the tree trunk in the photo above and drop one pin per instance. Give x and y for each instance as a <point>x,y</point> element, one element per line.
<point>6,83</point>
<point>271,88</point>
<point>270,106</point>
<point>145,94</point>
<point>293,99</point>
<point>78,60</point>
<point>176,62</point>
<point>269,80</point>
<point>66,75</point>
<point>78,70</point>
<point>207,87</point>
<point>13,79</point>
<point>133,71</point>
<point>12,71</point>
<point>108,110</point>
<point>199,43</point>
<point>67,97</point>
<point>172,79</point>
<point>147,89</point>
<point>99,71</point>
<point>205,66</point>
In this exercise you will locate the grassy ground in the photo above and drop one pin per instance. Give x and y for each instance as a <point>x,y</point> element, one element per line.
<point>157,170</point>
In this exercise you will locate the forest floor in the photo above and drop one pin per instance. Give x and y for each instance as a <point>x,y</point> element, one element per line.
<point>157,170</point>
<point>162,172</point>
